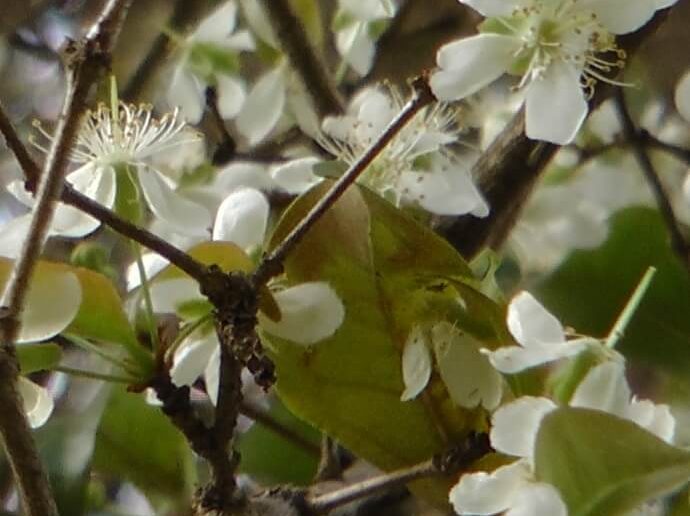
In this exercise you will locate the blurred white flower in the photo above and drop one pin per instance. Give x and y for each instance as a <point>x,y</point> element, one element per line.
<point>52,302</point>
<point>540,336</point>
<point>353,37</point>
<point>197,68</point>
<point>414,167</point>
<point>130,138</point>
<point>556,47</point>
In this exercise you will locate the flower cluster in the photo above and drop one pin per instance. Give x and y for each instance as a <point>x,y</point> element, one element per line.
<point>415,167</point>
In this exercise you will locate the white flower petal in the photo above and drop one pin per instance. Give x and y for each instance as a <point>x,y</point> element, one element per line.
<point>167,295</point>
<point>242,218</point>
<point>556,105</point>
<point>231,96</point>
<point>212,375</point>
<point>368,10</point>
<point>489,8</point>
<point>356,47</point>
<point>38,403</point>
<point>99,185</point>
<point>469,64</point>
<point>236,175</point>
<point>467,373</point>
<point>184,215</point>
<point>13,235</point>
<point>515,425</point>
<point>296,176</point>
<point>153,264</point>
<point>446,190</point>
<point>537,498</point>
<point>310,312</point>
<point>662,423</point>
<point>192,358</point>
<point>219,25</point>
<point>185,92</point>
<point>622,16</point>
<point>604,388</point>
<point>682,96</point>
<point>52,303</point>
<point>19,191</point>
<point>263,107</point>
<point>530,323</point>
<point>416,364</point>
<point>485,494</point>
<point>513,359</point>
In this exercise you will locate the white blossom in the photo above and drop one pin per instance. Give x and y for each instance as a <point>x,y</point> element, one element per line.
<point>682,96</point>
<point>192,73</point>
<point>353,39</point>
<point>557,48</point>
<point>130,138</point>
<point>414,167</point>
<point>540,337</point>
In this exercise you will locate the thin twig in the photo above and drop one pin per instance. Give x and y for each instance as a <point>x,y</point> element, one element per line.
<point>227,147</point>
<point>458,459</point>
<point>271,265</point>
<point>303,57</point>
<point>275,426</point>
<point>85,61</point>
<point>653,142</point>
<point>637,144</point>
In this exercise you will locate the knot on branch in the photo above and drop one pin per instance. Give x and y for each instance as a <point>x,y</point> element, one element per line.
<point>461,457</point>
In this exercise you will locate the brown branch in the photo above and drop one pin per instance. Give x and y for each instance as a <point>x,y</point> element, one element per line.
<point>637,145</point>
<point>653,142</point>
<point>303,57</point>
<point>509,169</point>
<point>185,17</point>
<point>85,61</point>
<point>450,463</point>
<point>271,264</point>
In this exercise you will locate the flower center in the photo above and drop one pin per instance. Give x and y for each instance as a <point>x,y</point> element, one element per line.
<point>553,31</point>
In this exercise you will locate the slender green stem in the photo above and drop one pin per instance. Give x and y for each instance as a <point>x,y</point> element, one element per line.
<point>96,376</point>
<point>624,318</point>
<point>97,350</point>
<point>148,304</point>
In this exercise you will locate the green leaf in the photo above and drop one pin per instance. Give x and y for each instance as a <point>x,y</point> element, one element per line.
<point>605,465</point>
<point>207,59</point>
<point>38,357</point>
<point>136,442</point>
<point>659,332</point>
<point>391,273</point>
<point>332,169</point>
<point>271,459</point>
<point>225,255</point>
